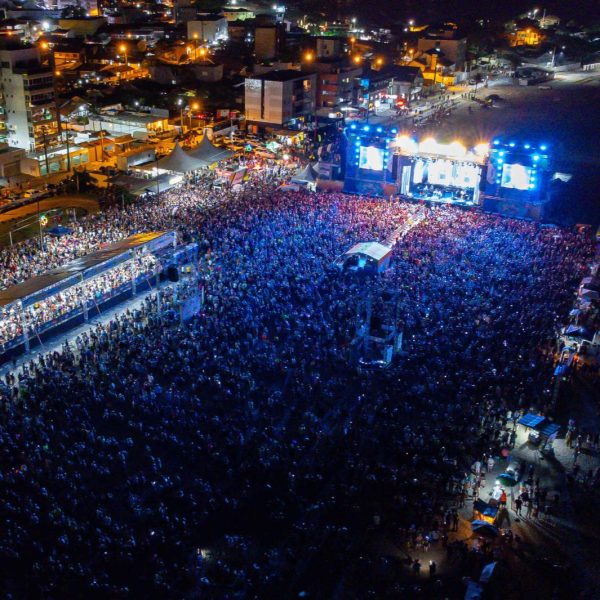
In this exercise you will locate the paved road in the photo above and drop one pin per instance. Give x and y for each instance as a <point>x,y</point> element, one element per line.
<point>72,201</point>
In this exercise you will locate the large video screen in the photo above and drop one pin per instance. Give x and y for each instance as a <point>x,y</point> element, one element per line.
<point>370,158</point>
<point>515,176</point>
<point>447,173</point>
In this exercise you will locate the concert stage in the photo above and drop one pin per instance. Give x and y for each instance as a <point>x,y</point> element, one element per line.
<point>507,177</point>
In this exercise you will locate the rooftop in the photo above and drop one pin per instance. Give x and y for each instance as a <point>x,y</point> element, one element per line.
<point>283,75</point>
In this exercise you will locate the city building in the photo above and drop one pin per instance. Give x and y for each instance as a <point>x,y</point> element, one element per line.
<point>337,81</point>
<point>280,99</point>
<point>184,10</point>
<point>207,28</point>
<point>201,70</point>
<point>526,33</point>
<point>10,159</point>
<point>237,13</point>
<point>449,42</point>
<point>27,98</point>
<point>268,41</point>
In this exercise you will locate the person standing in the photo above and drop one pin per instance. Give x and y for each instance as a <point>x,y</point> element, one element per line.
<point>518,506</point>
<point>432,568</point>
<point>416,567</point>
<point>490,464</point>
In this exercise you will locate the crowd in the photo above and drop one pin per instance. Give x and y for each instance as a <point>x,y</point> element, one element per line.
<point>240,455</point>
<point>83,296</point>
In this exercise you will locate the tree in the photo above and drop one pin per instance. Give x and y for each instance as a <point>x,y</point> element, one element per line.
<point>478,79</point>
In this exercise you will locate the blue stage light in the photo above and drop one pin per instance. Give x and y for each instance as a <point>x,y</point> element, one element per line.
<point>366,128</point>
<point>500,161</point>
<point>394,130</point>
<point>496,142</point>
<point>353,126</point>
<point>379,129</point>
<point>543,147</point>
<point>526,146</point>
<point>512,144</point>
<point>536,157</point>
<point>501,153</point>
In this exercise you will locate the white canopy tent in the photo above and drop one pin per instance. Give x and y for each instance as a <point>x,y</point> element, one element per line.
<point>179,161</point>
<point>306,175</point>
<point>373,255</point>
<point>208,153</point>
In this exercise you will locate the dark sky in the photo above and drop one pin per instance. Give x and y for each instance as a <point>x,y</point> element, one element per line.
<point>390,12</point>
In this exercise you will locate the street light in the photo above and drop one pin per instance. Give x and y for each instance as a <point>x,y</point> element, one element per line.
<point>123,49</point>
<point>357,59</point>
<point>308,57</point>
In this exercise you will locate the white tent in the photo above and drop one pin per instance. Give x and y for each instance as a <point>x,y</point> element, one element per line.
<point>179,161</point>
<point>306,175</point>
<point>208,153</point>
<point>365,254</point>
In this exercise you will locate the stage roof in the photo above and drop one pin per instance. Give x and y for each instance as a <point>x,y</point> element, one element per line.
<point>75,267</point>
<point>374,250</point>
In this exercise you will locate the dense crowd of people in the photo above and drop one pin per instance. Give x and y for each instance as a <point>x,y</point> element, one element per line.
<point>77,298</point>
<point>241,454</point>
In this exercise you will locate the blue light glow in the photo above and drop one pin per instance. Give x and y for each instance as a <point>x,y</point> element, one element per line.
<point>366,128</point>
<point>496,142</point>
<point>353,126</point>
<point>379,129</point>
<point>512,144</point>
<point>543,147</point>
<point>526,146</point>
<point>394,130</point>
<point>536,157</point>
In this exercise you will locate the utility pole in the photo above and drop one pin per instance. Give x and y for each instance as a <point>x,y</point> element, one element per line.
<point>45,149</point>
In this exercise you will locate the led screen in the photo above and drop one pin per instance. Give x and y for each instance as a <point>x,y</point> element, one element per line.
<point>515,176</point>
<point>370,158</point>
<point>447,173</point>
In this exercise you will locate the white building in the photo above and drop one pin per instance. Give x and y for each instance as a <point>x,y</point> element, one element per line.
<point>27,98</point>
<point>280,98</point>
<point>208,28</point>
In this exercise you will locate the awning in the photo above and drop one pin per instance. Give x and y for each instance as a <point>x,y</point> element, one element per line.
<point>548,429</point>
<point>373,250</point>
<point>29,289</point>
<point>531,420</point>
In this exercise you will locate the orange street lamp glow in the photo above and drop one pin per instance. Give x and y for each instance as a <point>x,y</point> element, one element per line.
<point>195,106</point>
<point>357,59</point>
<point>44,45</point>
<point>308,56</point>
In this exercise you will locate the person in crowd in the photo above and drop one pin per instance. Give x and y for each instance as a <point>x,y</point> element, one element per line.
<point>240,455</point>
